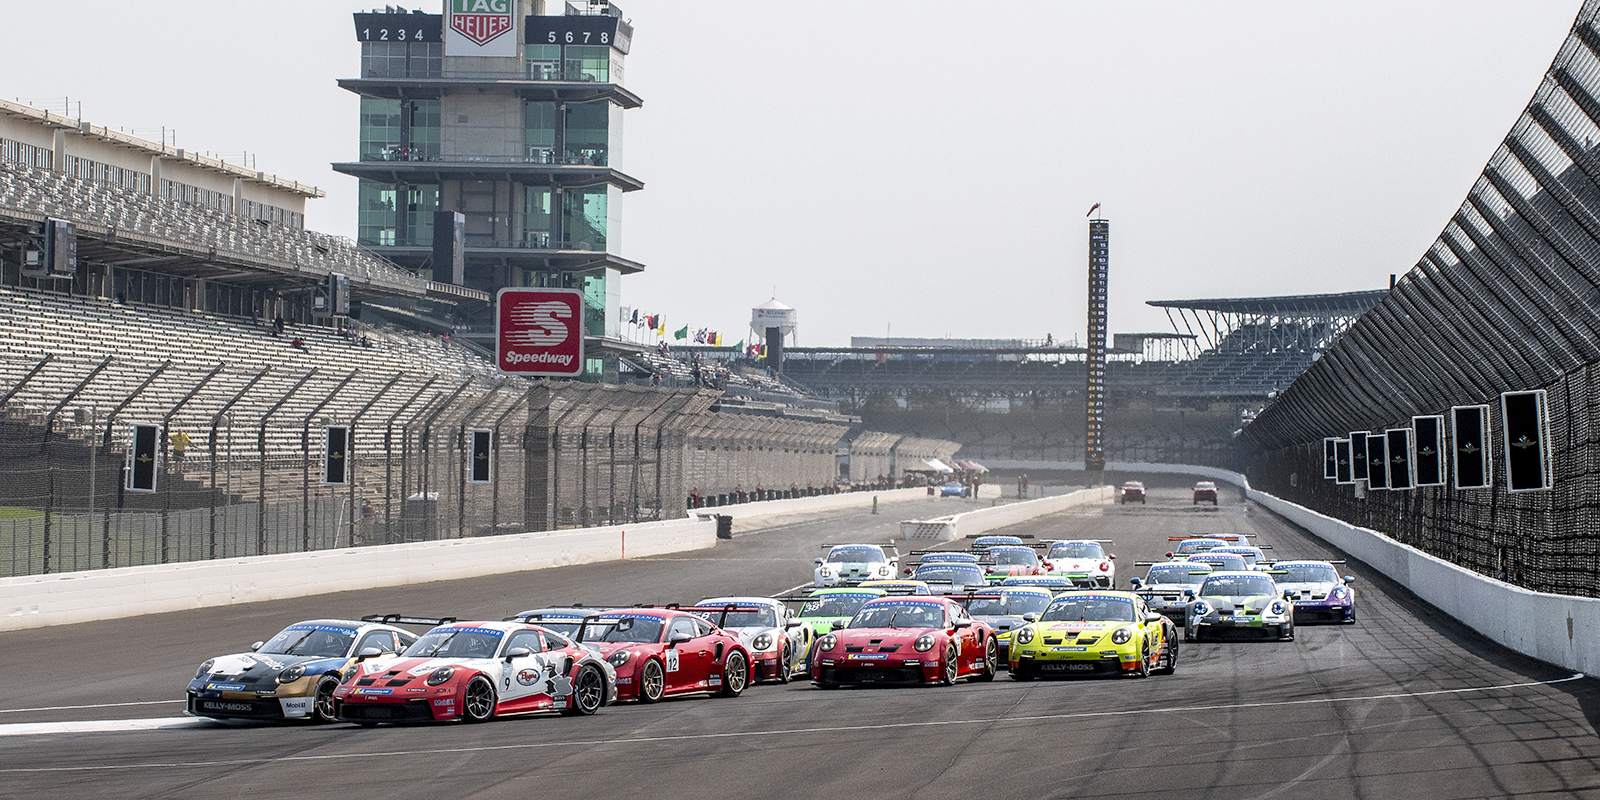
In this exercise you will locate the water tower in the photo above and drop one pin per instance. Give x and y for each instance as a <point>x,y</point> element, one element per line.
<point>773,321</point>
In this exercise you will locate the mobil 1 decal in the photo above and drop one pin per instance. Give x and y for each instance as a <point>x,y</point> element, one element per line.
<point>1469,446</point>
<point>1358,455</point>
<point>1399,446</point>
<point>1330,462</point>
<point>1525,427</point>
<point>1377,461</point>
<point>1427,457</point>
<point>1341,449</point>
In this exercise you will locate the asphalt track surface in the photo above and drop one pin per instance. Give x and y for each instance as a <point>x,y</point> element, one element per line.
<point>1404,704</point>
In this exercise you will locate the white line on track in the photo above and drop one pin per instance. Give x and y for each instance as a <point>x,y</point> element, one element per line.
<point>783,732</point>
<point>95,705</point>
<point>793,589</point>
<point>101,726</point>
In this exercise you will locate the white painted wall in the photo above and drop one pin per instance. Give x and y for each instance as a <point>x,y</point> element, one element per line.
<point>983,520</point>
<point>36,601</point>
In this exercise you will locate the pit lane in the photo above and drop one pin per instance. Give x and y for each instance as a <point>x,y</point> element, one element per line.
<point>1406,703</point>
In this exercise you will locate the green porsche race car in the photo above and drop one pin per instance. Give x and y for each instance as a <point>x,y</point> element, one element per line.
<point>823,607</point>
<point>1239,604</point>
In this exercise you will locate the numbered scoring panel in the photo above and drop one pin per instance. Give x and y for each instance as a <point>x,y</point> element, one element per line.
<point>399,28</point>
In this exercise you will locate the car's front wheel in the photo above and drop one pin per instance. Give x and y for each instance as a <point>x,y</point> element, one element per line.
<point>785,662</point>
<point>1143,670</point>
<point>1286,632</point>
<point>588,693</point>
<point>1169,659</point>
<point>479,703</point>
<point>952,668</point>
<point>322,705</point>
<point>652,682</point>
<point>991,663</point>
<point>735,674</point>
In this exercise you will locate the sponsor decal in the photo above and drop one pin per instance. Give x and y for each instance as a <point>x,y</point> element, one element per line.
<point>215,705</point>
<point>225,687</point>
<point>448,701</point>
<point>868,656</point>
<point>374,691</point>
<point>416,690</point>
<point>539,331</point>
<point>624,680</point>
<point>480,21</point>
<point>1069,649</point>
<point>715,680</point>
<point>528,677</point>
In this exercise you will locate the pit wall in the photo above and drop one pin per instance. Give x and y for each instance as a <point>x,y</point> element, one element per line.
<point>1558,629</point>
<point>37,601</point>
<point>983,520</point>
<point>799,505</point>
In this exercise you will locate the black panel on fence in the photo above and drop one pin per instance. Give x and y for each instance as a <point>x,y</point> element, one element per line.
<point>1427,460</point>
<point>1399,447</point>
<point>1469,436</point>
<point>1527,465</point>
<point>1377,462</point>
<point>482,442</point>
<point>1358,455</point>
<point>335,455</point>
<point>1341,449</point>
<point>1330,459</point>
<point>144,457</point>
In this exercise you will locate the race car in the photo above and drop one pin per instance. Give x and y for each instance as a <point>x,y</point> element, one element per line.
<point>1242,603</point>
<point>1006,608</point>
<point>565,620</point>
<point>944,556</point>
<point>897,586</point>
<point>777,642</point>
<point>982,543</point>
<point>1002,562</point>
<point>474,672</point>
<point>823,607</point>
<point>1084,560</point>
<point>849,564</point>
<point>1254,557</point>
<point>294,674</point>
<point>1168,588</point>
<point>958,575</point>
<point>1220,562</point>
<point>906,640</point>
<point>660,652</point>
<point>1188,546</point>
<point>1132,492</point>
<point>1095,632</point>
<point>1317,591</point>
<point>953,489</point>
<point>1055,583</point>
<point>1205,492</point>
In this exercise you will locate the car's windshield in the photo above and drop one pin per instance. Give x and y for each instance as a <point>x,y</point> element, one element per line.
<point>1018,556</point>
<point>325,641</point>
<point>1238,586</point>
<point>1188,546</point>
<point>456,643</point>
<point>1076,550</point>
<point>1182,573</point>
<point>1099,608</point>
<point>560,623</point>
<point>623,629</point>
<point>899,615</point>
<point>1249,556</point>
<point>855,555</point>
<point>759,618</point>
<point>836,605</point>
<point>1205,485</point>
<point>1014,605</point>
<point>955,573</point>
<point>1307,573</point>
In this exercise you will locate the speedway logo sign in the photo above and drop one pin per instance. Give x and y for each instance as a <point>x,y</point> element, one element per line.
<point>539,332</point>
<point>481,28</point>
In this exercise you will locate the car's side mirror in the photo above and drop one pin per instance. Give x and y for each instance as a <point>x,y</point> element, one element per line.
<point>1111,557</point>
<point>1288,595</point>
<point>1188,593</point>
<point>793,623</point>
<point>1152,618</point>
<point>838,624</point>
<point>1135,582</point>
<point>256,646</point>
<point>1349,579</point>
<point>680,638</point>
<point>370,652</point>
<point>518,652</point>
<point>961,623</point>
<point>819,562</point>
<point>1030,617</point>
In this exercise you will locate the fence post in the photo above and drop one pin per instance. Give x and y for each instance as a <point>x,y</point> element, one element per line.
<point>494,489</point>
<point>538,463</point>
<point>44,449</point>
<point>350,449</point>
<point>261,448</point>
<point>426,443</point>
<point>461,462</point>
<point>166,421</point>
<point>305,461</point>
<point>211,442</point>
<point>388,457</point>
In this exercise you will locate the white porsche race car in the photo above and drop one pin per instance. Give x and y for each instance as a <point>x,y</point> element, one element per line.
<point>850,564</point>
<point>1085,561</point>
<point>778,641</point>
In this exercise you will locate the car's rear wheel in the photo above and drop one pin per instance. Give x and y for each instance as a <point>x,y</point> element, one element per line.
<point>588,693</point>
<point>652,682</point>
<point>322,704</point>
<point>952,668</point>
<point>991,662</point>
<point>735,674</point>
<point>785,662</point>
<point>479,703</point>
<point>1143,670</point>
<point>1169,659</point>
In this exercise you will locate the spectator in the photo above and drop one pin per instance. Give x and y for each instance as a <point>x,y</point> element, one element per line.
<point>299,344</point>
<point>365,342</point>
<point>277,325</point>
<point>180,444</point>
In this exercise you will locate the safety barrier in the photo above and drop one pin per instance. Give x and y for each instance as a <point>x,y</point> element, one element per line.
<point>35,601</point>
<point>983,520</point>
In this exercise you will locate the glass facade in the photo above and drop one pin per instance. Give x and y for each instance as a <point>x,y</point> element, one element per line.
<point>536,215</point>
<point>539,131</point>
<point>421,202</point>
<point>588,63</point>
<point>544,62</point>
<point>425,127</point>
<point>601,290</point>
<point>375,224</point>
<point>588,133</point>
<point>380,128</point>
<point>402,59</point>
<point>584,218</point>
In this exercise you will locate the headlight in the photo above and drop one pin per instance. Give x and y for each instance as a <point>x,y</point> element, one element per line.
<point>349,673</point>
<point>828,642</point>
<point>619,658</point>
<point>1338,593</point>
<point>884,570</point>
<point>1201,609</point>
<point>826,571</point>
<point>1121,635</point>
<point>440,675</point>
<point>292,674</point>
<point>204,668</point>
<point>1277,607</point>
<point>1025,635</point>
<point>924,643</point>
<point>763,642</point>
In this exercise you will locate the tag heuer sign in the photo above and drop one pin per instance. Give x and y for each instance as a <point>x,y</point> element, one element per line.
<point>481,28</point>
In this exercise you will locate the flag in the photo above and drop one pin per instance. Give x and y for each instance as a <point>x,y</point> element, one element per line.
<point>719,339</point>
<point>681,333</point>
<point>635,319</point>
<point>740,345</point>
<point>661,326</point>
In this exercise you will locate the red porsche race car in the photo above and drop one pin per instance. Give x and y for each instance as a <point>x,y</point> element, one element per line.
<point>659,652</point>
<point>1205,491</point>
<point>906,640</point>
<point>1132,492</point>
<point>475,671</point>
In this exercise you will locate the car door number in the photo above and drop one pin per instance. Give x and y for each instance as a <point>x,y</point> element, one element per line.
<point>670,656</point>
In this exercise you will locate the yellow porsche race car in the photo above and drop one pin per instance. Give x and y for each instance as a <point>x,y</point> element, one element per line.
<point>1095,632</point>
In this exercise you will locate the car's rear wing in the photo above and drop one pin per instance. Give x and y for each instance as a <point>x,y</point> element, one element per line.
<point>885,545</point>
<point>407,619</point>
<point>722,611</point>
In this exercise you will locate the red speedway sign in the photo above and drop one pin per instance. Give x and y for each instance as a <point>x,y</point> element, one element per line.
<point>539,332</point>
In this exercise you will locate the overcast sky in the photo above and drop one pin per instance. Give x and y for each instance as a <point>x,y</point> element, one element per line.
<point>922,165</point>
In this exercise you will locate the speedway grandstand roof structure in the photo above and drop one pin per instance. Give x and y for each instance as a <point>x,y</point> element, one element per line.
<point>1215,320</point>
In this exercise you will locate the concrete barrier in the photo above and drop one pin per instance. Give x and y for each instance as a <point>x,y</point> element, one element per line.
<point>983,520</point>
<point>1558,629</point>
<point>36,601</point>
<point>828,502</point>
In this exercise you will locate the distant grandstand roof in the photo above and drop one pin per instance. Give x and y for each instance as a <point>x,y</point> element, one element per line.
<point>1354,303</point>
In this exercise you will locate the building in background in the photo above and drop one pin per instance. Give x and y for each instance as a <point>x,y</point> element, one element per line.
<point>501,121</point>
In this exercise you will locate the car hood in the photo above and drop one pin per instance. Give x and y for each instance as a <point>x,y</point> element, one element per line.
<point>882,636</point>
<point>1076,564</point>
<point>403,667</point>
<point>1254,603</point>
<point>253,667</point>
<point>1315,587</point>
<point>1080,626</point>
